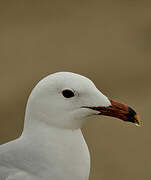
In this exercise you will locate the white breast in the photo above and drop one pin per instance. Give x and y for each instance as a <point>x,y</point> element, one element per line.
<point>59,154</point>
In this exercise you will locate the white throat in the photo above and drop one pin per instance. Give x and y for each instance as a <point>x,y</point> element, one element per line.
<point>68,149</point>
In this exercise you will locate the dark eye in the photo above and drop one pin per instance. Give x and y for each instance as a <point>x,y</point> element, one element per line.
<point>67,93</point>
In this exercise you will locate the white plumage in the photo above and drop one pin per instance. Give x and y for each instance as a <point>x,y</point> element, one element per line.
<point>52,146</point>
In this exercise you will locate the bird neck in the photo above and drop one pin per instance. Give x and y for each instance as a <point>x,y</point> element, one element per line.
<point>38,125</point>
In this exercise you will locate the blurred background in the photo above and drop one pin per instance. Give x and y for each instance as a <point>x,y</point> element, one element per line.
<point>107,41</point>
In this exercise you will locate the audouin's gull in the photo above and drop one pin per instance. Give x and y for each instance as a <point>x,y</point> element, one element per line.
<point>52,146</point>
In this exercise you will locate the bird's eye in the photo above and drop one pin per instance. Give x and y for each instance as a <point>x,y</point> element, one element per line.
<point>67,93</point>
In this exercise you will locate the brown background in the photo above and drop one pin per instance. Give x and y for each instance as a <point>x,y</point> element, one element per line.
<point>108,41</point>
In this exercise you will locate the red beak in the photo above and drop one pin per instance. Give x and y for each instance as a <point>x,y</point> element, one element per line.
<point>119,111</point>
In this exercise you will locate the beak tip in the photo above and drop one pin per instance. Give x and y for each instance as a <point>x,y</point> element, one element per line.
<point>137,121</point>
<point>133,117</point>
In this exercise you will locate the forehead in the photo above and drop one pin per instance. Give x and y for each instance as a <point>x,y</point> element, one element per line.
<point>67,80</point>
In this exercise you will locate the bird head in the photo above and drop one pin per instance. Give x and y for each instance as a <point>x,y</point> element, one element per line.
<point>66,100</point>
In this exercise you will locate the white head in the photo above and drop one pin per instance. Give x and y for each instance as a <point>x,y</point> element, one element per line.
<point>59,98</point>
<point>66,99</point>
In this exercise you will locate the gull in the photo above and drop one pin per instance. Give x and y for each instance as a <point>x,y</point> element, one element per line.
<point>52,146</point>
